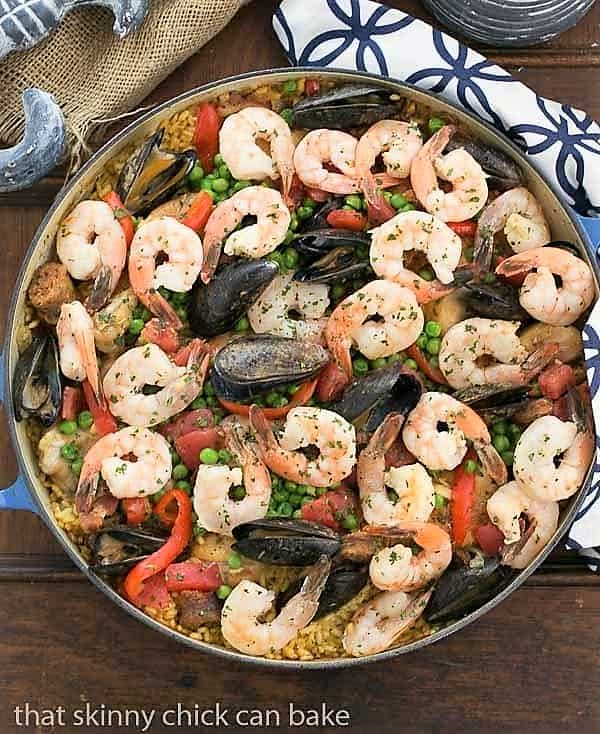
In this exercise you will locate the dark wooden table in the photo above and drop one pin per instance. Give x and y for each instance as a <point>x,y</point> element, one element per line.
<point>531,665</point>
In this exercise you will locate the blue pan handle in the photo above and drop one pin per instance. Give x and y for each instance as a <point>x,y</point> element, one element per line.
<point>16,496</point>
<point>592,228</point>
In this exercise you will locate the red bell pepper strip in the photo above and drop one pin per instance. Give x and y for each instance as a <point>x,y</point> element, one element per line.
<point>104,421</point>
<point>461,505</point>
<point>136,509</point>
<point>206,136</point>
<point>464,229</point>
<point>490,539</point>
<point>431,372</point>
<point>330,508</point>
<point>193,576</point>
<point>167,553</point>
<point>346,219</point>
<point>125,219</point>
<point>154,593</point>
<point>302,395</point>
<point>199,211</point>
<point>71,403</point>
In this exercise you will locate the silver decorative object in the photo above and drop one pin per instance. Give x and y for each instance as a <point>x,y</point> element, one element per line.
<point>41,147</point>
<point>509,22</point>
<point>25,22</point>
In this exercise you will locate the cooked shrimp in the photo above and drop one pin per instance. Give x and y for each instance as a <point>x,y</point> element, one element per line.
<point>465,344</point>
<point>436,433</point>
<point>401,322</point>
<point>270,313</point>
<point>331,434</point>
<point>111,322</point>
<point>378,624</point>
<point>540,296</point>
<point>552,457</point>
<point>149,365</point>
<point>148,474</point>
<point>397,569</point>
<point>183,248</point>
<point>249,602</point>
<point>75,332</point>
<point>216,511</point>
<point>91,244</point>
<point>505,508</point>
<point>327,146</point>
<point>469,193</point>
<point>519,214</point>
<point>416,231</point>
<point>257,240</point>
<point>397,142</point>
<point>412,483</point>
<point>246,160</point>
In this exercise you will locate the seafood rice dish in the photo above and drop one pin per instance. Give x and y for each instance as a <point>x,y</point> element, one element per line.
<point>304,373</point>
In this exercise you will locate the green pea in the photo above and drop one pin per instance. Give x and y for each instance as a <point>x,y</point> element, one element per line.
<point>290,486</point>
<point>507,457</point>
<point>515,431</point>
<point>234,560</point>
<point>218,159</point>
<point>426,274</point>
<point>471,466</point>
<point>290,258</point>
<point>211,403</point>
<point>398,201</point>
<point>285,509</point>
<point>206,185</point>
<point>354,201</point>
<point>272,399</point>
<point>433,346</point>
<point>321,491</point>
<point>295,500</point>
<point>276,257</point>
<point>378,363</point>
<point>411,364</point>
<point>350,521</point>
<point>408,207</point>
<point>68,427</point>
<point>290,87</point>
<point>225,457</point>
<point>338,291</point>
<point>237,493</point>
<point>136,326</point>
<point>224,171</point>
<point>307,201</point>
<point>301,488</point>
<point>435,124</point>
<point>198,403</point>
<point>209,456</point>
<point>501,443</point>
<point>220,185</point>
<point>360,366</point>
<point>280,496</point>
<point>433,328</point>
<point>175,458</point>
<point>362,252</point>
<point>387,195</point>
<point>239,185</point>
<point>208,389</point>
<point>435,362</point>
<point>77,466</point>
<point>500,428</point>
<point>69,451</point>
<point>180,471</point>
<point>394,358</point>
<point>184,485</point>
<point>294,222</point>
<point>440,502</point>
<point>289,237</point>
<point>292,389</point>
<point>304,212</point>
<point>85,419</point>
<point>288,115</point>
<point>223,592</point>
<point>242,324</point>
<point>197,529</point>
<point>422,341</point>
<point>195,177</point>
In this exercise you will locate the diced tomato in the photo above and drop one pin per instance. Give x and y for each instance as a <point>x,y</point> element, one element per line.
<point>124,217</point>
<point>104,421</point>
<point>154,593</point>
<point>199,211</point>
<point>193,576</point>
<point>191,444</point>
<point>294,197</point>
<point>312,87</point>
<point>555,380</point>
<point>136,509</point>
<point>317,195</point>
<point>330,508</point>
<point>346,219</point>
<point>163,335</point>
<point>187,422</point>
<point>464,229</point>
<point>72,399</point>
<point>490,539</point>
<point>300,397</point>
<point>331,383</point>
<point>380,210</point>
<point>206,136</point>
<point>433,373</point>
<point>461,506</point>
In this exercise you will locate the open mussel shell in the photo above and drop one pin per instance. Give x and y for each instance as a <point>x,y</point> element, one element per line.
<point>390,389</point>
<point>494,401</point>
<point>250,365</point>
<point>151,174</point>
<point>342,585</point>
<point>337,264</point>
<point>462,589</point>
<point>494,301</point>
<point>283,542</point>
<point>318,219</point>
<point>317,242</point>
<point>353,105</point>
<point>115,550</point>
<point>215,308</point>
<point>37,388</point>
<point>503,172</point>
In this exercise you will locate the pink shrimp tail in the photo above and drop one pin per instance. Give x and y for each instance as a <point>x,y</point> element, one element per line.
<point>538,360</point>
<point>163,309</point>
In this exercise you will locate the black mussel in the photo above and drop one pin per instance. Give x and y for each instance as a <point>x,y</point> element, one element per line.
<point>283,542</point>
<point>318,219</point>
<point>151,174</point>
<point>118,548</point>
<point>214,308</point>
<point>463,589</point>
<point>502,171</point>
<point>390,389</point>
<point>342,585</point>
<point>318,242</point>
<point>494,401</point>
<point>494,301</point>
<point>37,389</point>
<point>337,264</point>
<point>250,365</point>
<point>354,105</point>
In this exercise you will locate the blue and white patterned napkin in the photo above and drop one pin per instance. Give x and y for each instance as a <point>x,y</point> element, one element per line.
<point>563,143</point>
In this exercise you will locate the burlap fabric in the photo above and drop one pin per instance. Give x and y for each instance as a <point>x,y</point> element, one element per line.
<point>93,75</point>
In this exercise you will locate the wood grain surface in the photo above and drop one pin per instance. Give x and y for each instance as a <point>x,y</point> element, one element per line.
<point>531,665</point>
